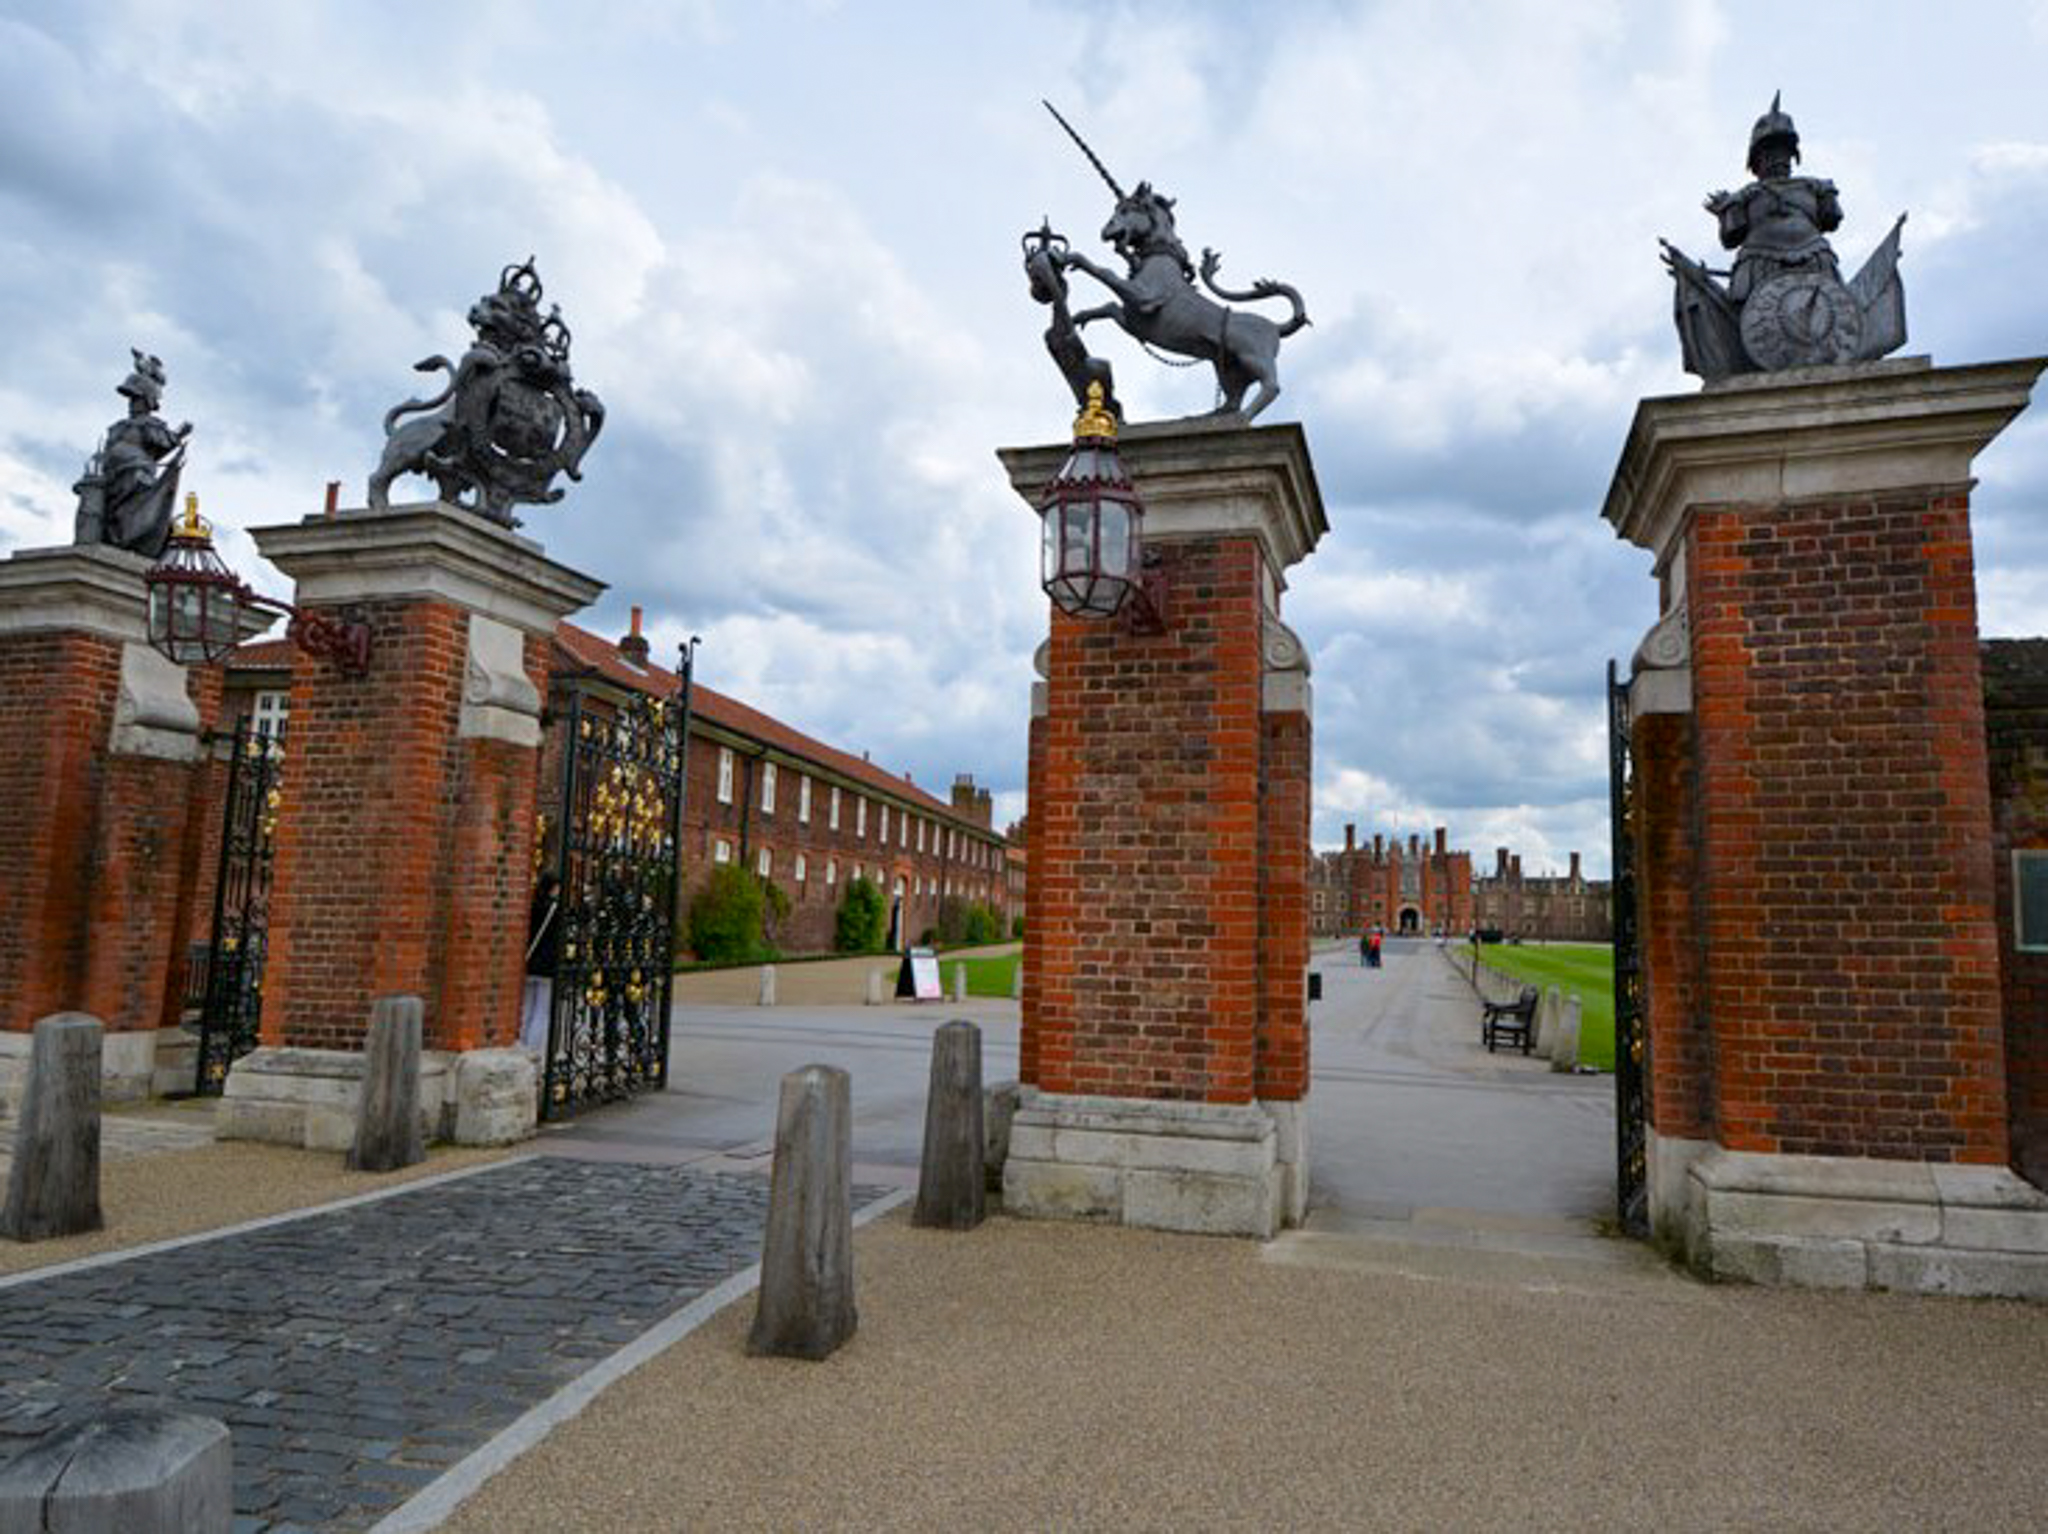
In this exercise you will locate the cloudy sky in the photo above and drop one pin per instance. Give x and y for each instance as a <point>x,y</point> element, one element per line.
<point>786,237</point>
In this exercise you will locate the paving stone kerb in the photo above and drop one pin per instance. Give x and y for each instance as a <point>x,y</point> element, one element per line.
<point>356,1354</point>
<point>53,1183</point>
<point>951,1181</point>
<point>388,1112</point>
<point>806,1305</point>
<point>126,1471</point>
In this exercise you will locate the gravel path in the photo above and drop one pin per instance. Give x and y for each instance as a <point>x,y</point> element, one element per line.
<point>1037,1376</point>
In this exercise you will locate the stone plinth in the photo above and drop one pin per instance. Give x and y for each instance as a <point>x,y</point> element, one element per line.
<point>97,787</point>
<point>404,851</point>
<point>1817,909</point>
<point>1166,936</point>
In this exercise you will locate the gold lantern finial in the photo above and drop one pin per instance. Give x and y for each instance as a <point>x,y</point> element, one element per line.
<point>1094,420</point>
<point>191,527</point>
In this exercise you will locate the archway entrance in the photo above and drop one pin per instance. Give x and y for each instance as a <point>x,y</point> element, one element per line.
<point>1410,921</point>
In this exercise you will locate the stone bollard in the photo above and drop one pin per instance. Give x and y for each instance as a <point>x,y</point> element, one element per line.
<point>876,984</point>
<point>1564,1054</point>
<point>388,1113</point>
<point>1549,1018</point>
<point>959,982</point>
<point>806,1305</point>
<point>1017,980</point>
<point>952,1178</point>
<point>998,1113</point>
<point>129,1470</point>
<point>53,1187</point>
<point>767,996</point>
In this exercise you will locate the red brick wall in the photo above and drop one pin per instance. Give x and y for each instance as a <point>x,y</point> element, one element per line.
<point>1845,891</point>
<point>2016,724</point>
<point>132,905</point>
<point>1681,1084</point>
<point>1143,931</point>
<point>1284,770</point>
<point>57,695</point>
<point>364,870</point>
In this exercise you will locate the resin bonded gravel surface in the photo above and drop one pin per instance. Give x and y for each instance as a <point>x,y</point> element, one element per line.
<point>356,1354</point>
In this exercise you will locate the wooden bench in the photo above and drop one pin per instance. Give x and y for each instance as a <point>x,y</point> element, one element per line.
<point>1510,1020</point>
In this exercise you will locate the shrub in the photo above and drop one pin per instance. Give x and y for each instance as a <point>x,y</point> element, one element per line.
<point>863,918</point>
<point>1016,926</point>
<point>983,925</point>
<point>726,916</point>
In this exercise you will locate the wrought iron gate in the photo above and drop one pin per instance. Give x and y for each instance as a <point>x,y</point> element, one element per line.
<point>232,1005</point>
<point>1631,1021</point>
<point>619,822</point>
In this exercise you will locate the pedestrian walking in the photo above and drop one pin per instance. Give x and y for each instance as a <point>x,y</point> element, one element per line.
<point>543,929</point>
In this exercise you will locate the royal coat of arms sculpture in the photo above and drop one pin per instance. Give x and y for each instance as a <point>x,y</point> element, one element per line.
<point>510,419</point>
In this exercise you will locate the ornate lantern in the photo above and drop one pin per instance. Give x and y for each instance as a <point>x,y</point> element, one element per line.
<point>1092,521</point>
<point>195,600</point>
<point>196,604</point>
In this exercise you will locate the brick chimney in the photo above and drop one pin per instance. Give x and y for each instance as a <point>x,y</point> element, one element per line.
<point>1500,862</point>
<point>1442,843</point>
<point>1379,849</point>
<point>634,645</point>
<point>971,804</point>
<point>1350,838</point>
<point>1515,867</point>
<point>1575,868</point>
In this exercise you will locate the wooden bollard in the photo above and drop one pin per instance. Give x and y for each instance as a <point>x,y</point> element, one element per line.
<point>951,1180</point>
<point>806,1307</point>
<point>388,1113</point>
<point>53,1187</point>
<point>129,1470</point>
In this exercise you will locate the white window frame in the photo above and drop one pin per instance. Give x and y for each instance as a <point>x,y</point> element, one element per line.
<point>269,711</point>
<point>902,829</point>
<point>920,836</point>
<point>801,871</point>
<point>860,817</point>
<point>721,850</point>
<point>803,799</point>
<point>833,819</point>
<point>883,832</point>
<point>831,872</point>
<point>767,788</point>
<point>764,863</point>
<point>725,774</point>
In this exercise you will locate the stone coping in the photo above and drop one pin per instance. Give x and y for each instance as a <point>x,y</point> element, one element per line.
<point>1206,478</point>
<point>1858,429</point>
<point>93,588</point>
<point>428,549</point>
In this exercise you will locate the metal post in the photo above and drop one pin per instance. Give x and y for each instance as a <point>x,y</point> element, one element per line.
<point>686,666</point>
<point>563,999</point>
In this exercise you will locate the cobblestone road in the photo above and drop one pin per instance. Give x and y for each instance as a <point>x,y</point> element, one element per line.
<point>357,1354</point>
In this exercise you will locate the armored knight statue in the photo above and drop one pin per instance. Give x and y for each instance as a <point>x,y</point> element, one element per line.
<point>1784,304</point>
<point>130,486</point>
<point>510,418</point>
<point>1157,303</point>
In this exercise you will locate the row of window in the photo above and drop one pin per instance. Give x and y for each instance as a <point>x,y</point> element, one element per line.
<point>764,865</point>
<point>977,854</point>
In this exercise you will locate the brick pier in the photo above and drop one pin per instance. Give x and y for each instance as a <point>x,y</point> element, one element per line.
<point>1165,1038</point>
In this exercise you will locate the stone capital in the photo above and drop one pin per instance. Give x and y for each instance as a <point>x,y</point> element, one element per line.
<point>90,588</point>
<point>1761,439</point>
<point>428,550</point>
<point>1207,479</point>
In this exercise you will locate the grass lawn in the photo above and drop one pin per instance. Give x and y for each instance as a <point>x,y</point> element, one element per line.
<point>1587,968</point>
<point>985,977</point>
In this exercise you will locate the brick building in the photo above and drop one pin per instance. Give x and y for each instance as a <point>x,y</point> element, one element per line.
<point>802,814</point>
<point>1417,888</point>
<point>1427,887</point>
<point>2016,732</point>
<point>1567,908</point>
